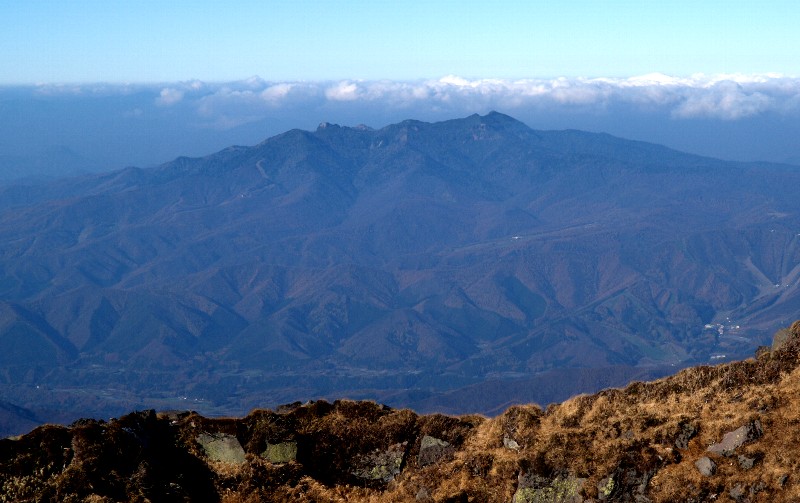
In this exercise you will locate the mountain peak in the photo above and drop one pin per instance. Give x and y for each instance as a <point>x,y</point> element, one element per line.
<point>496,116</point>
<point>328,125</point>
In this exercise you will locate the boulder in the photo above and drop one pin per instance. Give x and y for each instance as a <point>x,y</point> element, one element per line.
<point>510,443</point>
<point>381,465</point>
<point>706,466</point>
<point>433,450</point>
<point>279,453</point>
<point>221,447</point>
<point>736,438</point>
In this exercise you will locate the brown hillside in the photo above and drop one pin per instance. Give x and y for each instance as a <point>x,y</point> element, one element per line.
<point>723,433</point>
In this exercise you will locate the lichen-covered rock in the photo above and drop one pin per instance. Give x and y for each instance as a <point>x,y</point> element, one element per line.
<point>735,439</point>
<point>605,488</point>
<point>433,450</point>
<point>282,452</point>
<point>221,447</point>
<point>381,465</point>
<point>533,488</point>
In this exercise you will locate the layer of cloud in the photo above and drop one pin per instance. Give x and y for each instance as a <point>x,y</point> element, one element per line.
<point>727,97</point>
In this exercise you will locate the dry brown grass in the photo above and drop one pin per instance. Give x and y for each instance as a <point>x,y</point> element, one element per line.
<point>621,441</point>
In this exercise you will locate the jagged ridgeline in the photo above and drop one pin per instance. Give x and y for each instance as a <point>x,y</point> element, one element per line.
<point>722,433</point>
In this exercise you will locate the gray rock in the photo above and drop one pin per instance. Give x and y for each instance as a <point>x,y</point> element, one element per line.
<point>687,432</point>
<point>746,463</point>
<point>735,439</point>
<point>510,443</point>
<point>279,453</point>
<point>381,465</point>
<point>221,447</point>
<point>625,484</point>
<point>705,466</point>
<point>432,450</point>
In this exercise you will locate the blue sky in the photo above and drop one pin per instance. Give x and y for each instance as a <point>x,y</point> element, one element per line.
<point>105,84</point>
<point>146,41</point>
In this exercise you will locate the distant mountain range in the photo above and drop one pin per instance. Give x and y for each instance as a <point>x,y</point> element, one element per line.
<point>457,266</point>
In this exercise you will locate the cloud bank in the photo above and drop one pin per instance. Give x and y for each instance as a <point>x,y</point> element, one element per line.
<point>727,97</point>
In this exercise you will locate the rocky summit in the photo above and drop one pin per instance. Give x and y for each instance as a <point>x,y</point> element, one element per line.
<point>709,433</point>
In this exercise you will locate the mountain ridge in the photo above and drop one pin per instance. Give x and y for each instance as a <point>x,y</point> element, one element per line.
<point>421,257</point>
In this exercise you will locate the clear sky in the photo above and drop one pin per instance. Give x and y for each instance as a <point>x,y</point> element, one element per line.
<point>171,40</point>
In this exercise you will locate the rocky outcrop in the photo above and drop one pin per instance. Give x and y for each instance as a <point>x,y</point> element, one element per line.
<point>221,448</point>
<point>433,450</point>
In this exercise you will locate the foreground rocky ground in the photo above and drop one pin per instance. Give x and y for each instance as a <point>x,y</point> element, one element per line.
<point>724,433</point>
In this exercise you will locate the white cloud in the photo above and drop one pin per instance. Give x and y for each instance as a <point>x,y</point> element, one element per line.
<point>169,96</point>
<point>277,92</point>
<point>343,91</point>
<point>725,100</point>
<point>726,96</point>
